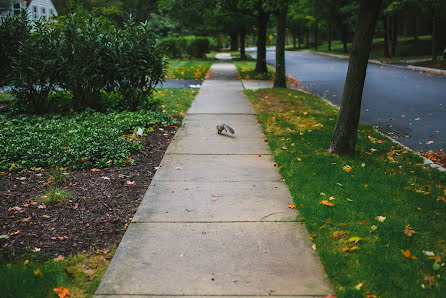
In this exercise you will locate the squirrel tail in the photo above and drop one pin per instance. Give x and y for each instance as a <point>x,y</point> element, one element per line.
<point>231,130</point>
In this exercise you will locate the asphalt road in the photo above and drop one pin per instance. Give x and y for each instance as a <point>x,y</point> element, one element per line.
<point>406,101</point>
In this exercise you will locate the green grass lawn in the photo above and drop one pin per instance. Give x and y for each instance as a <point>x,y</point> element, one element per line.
<point>187,69</point>
<point>246,70</point>
<point>407,49</point>
<point>30,139</point>
<point>377,219</point>
<point>6,97</point>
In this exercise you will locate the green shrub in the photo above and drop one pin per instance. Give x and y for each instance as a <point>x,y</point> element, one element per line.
<point>174,47</point>
<point>76,141</point>
<point>34,71</point>
<point>87,60</point>
<point>13,30</point>
<point>139,65</point>
<point>198,47</point>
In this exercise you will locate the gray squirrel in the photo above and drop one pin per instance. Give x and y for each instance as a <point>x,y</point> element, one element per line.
<point>224,127</point>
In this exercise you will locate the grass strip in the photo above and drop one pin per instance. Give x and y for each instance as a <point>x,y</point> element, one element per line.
<point>6,97</point>
<point>377,219</point>
<point>176,101</point>
<point>246,70</point>
<point>187,69</point>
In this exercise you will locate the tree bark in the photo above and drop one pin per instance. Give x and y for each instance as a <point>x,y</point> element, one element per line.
<point>307,39</point>
<point>386,38</point>
<point>294,39</point>
<point>344,137</point>
<point>299,42</point>
<point>394,35</point>
<point>316,34</point>
<point>234,42</point>
<point>329,37</point>
<point>262,22</point>
<point>435,46</point>
<point>344,38</point>
<point>242,45</point>
<point>280,77</point>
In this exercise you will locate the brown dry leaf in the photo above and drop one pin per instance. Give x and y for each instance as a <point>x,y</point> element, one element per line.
<point>59,258</point>
<point>408,231</point>
<point>430,280</point>
<point>15,209</point>
<point>292,206</point>
<point>15,233</point>
<point>95,170</point>
<point>128,182</point>
<point>41,206</point>
<point>214,195</point>
<point>105,178</point>
<point>26,219</point>
<point>59,238</point>
<point>362,223</point>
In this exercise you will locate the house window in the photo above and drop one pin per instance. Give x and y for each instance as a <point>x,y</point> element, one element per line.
<point>43,12</point>
<point>16,8</point>
<point>35,14</point>
<point>51,12</point>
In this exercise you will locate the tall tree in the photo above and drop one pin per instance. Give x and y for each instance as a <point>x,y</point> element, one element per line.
<point>279,8</point>
<point>262,23</point>
<point>344,137</point>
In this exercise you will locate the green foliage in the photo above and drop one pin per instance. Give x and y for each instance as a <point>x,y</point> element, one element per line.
<point>139,64</point>
<point>54,194</point>
<point>246,70</point>
<point>13,30</point>
<point>198,47</point>
<point>174,47</point>
<point>35,69</point>
<point>58,175</point>
<point>76,141</point>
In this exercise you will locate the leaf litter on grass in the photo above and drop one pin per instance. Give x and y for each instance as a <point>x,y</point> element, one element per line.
<point>387,189</point>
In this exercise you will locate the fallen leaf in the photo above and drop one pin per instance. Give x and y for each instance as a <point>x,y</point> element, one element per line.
<point>381,218</point>
<point>36,249</point>
<point>430,280</point>
<point>179,168</point>
<point>325,202</point>
<point>59,258</point>
<point>373,228</point>
<point>275,186</point>
<point>407,254</point>
<point>436,131</point>
<point>347,168</point>
<point>274,165</point>
<point>105,178</point>
<point>362,223</point>
<point>441,199</point>
<point>128,182</point>
<point>359,286</point>
<point>292,206</point>
<point>428,253</point>
<point>41,206</point>
<point>403,116</point>
<point>95,170</point>
<point>354,239</point>
<point>15,233</point>
<point>416,119</point>
<point>76,206</point>
<point>38,272</point>
<point>105,250</point>
<point>351,248</point>
<point>331,198</point>
<point>62,292</point>
<point>59,238</point>
<point>15,209</point>
<point>429,142</point>
<point>26,219</point>
<point>259,154</point>
<point>408,231</point>
<point>214,195</point>
<point>314,247</point>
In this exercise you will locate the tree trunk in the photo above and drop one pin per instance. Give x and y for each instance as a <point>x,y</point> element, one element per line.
<point>280,77</point>
<point>316,34</point>
<point>299,42</point>
<point>344,38</point>
<point>262,22</point>
<point>329,37</point>
<point>344,136</point>
<point>386,38</point>
<point>394,35</point>
<point>242,45</point>
<point>234,42</point>
<point>294,40</point>
<point>307,40</point>
<point>435,46</point>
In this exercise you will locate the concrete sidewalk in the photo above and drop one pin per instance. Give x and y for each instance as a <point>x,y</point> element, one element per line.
<point>214,221</point>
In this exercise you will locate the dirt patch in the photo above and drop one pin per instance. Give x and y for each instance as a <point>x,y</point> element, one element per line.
<point>96,215</point>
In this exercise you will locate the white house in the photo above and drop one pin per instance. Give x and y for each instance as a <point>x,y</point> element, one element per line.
<point>37,9</point>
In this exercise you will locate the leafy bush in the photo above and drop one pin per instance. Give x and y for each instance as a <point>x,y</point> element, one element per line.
<point>85,140</point>
<point>139,65</point>
<point>198,47</point>
<point>13,29</point>
<point>87,58</point>
<point>35,70</point>
<point>174,47</point>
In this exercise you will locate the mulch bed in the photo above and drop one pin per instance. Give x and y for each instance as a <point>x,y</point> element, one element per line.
<point>103,202</point>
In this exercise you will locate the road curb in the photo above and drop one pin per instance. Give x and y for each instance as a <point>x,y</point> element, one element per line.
<point>409,67</point>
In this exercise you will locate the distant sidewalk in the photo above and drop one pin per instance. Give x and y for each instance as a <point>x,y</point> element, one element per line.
<point>215,220</point>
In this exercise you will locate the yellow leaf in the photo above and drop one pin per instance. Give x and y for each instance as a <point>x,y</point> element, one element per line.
<point>351,248</point>
<point>406,253</point>
<point>347,168</point>
<point>292,206</point>
<point>327,203</point>
<point>62,292</point>
<point>354,239</point>
<point>38,272</point>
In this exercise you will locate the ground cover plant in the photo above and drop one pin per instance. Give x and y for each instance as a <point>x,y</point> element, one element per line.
<point>246,70</point>
<point>187,69</point>
<point>59,226</point>
<point>377,219</point>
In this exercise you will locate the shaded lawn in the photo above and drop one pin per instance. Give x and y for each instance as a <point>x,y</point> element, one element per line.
<point>246,70</point>
<point>385,180</point>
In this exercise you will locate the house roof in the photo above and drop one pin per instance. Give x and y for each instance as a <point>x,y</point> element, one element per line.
<point>28,2</point>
